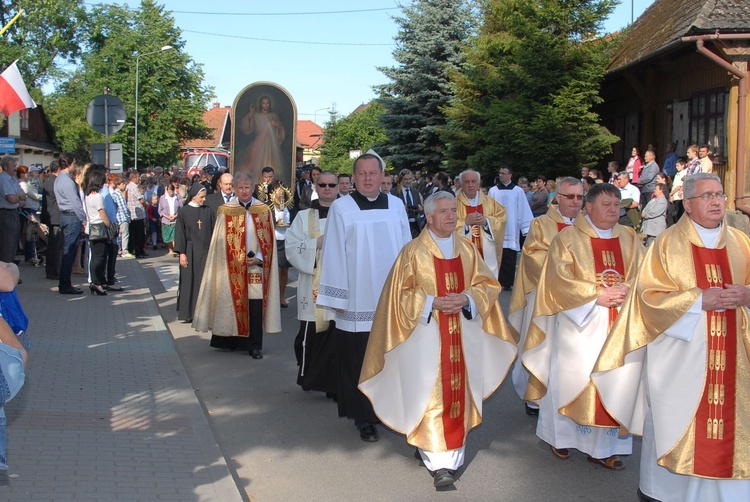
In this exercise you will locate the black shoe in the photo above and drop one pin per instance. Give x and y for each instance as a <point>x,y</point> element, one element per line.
<point>70,291</point>
<point>368,433</point>
<point>142,255</point>
<point>532,412</point>
<point>155,248</point>
<point>507,288</point>
<point>256,354</point>
<point>445,477</point>
<point>189,320</point>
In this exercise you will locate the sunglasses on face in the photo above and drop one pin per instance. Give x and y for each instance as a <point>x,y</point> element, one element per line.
<point>329,185</point>
<point>570,196</point>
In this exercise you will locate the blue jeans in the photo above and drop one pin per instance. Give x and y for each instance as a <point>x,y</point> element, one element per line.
<point>71,227</point>
<point>3,442</point>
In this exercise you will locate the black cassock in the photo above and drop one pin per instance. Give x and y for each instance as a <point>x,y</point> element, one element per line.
<point>193,231</point>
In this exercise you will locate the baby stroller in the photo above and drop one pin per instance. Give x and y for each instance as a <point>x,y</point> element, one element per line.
<point>34,232</point>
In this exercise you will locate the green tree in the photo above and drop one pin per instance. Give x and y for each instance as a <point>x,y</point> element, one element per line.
<point>428,48</point>
<point>359,131</point>
<point>527,94</point>
<point>171,98</point>
<point>43,39</point>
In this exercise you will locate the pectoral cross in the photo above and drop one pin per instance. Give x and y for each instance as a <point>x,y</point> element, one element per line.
<point>199,224</point>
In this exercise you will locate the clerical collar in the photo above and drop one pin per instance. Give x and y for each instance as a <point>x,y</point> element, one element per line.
<point>566,220</point>
<point>709,236</point>
<point>322,210</point>
<point>364,203</point>
<point>444,243</point>
<point>604,234</point>
<point>502,186</point>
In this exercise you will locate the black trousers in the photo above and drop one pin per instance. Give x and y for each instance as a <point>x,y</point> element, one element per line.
<point>252,342</point>
<point>10,228</point>
<point>98,262</point>
<point>54,252</point>
<point>137,237</point>
<point>350,354</point>
<point>110,259</point>
<point>507,274</point>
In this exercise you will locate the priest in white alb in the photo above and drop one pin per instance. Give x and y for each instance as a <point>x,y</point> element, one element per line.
<point>439,345</point>
<point>481,219</point>
<point>677,365</point>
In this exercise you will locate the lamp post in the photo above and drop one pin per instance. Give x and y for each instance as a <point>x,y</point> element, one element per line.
<point>315,119</point>
<point>137,62</point>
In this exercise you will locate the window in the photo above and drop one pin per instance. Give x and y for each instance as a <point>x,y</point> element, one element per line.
<point>708,121</point>
<point>24,115</point>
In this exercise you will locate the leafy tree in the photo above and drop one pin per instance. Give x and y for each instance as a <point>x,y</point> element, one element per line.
<point>43,39</point>
<point>359,131</point>
<point>527,94</point>
<point>429,40</point>
<point>171,98</point>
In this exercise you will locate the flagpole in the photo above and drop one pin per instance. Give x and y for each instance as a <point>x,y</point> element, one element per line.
<point>5,28</point>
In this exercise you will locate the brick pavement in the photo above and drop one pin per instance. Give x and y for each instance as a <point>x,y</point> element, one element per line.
<point>107,411</point>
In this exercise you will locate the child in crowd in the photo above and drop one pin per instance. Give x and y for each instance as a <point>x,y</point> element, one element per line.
<point>153,220</point>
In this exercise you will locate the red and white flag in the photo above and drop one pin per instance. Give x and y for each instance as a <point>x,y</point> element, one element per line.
<point>13,93</point>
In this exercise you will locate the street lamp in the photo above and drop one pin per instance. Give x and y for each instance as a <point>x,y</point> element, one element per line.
<point>315,119</point>
<point>137,61</point>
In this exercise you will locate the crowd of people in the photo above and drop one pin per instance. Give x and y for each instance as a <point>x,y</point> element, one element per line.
<point>400,278</point>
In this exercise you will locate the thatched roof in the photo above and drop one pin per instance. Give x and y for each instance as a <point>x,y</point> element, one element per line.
<point>659,29</point>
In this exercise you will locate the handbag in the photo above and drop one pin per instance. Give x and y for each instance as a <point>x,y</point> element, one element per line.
<point>100,231</point>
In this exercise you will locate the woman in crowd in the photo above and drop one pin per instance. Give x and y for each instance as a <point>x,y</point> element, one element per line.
<point>98,230</point>
<point>169,205</point>
<point>31,207</point>
<point>634,165</point>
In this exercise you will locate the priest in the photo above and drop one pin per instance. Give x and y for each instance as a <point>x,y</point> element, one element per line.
<point>481,219</point>
<point>588,271</point>
<point>314,344</point>
<point>439,344</point>
<point>676,366</point>
<point>365,232</point>
<point>239,297</point>
<point>192,237</point>
<point>543,230</point>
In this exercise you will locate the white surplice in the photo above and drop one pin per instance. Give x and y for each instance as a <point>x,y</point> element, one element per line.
<point>519,214</point>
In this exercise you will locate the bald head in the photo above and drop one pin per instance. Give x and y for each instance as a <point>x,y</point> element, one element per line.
<point>225,184</point>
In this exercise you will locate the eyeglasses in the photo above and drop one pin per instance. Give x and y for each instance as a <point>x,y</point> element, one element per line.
<point>711,196</point>
<point>570,196</point>
<point>329,185</point>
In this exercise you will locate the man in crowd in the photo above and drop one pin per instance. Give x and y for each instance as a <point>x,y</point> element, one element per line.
<point>225,193</point>
<point>687,317</point>
<point>481,220</point>
<point>707,165</point>
<point>516,205</point>
<point>386,186</point>
<point>309,191</point>
<point>431,388</point>
<point>613,168</point>
<point>364,234</point>
<point>542,231</point>
<point>647,179</point>
<point>654,215</point>
<point>51,218</point>
<point>670,161</point>
<point>314,345</point>
<point>630,197</point>
<point>263,189</point>
<point>345,184</point>
<point>12,198</point>
<point>239,295</point>
<point>412,200</point>
<point>72,219</point>
<point>587,273</point>
<point>137,207</point>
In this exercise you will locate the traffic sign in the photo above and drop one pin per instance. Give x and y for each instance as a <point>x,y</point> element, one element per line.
<point>106,114</point>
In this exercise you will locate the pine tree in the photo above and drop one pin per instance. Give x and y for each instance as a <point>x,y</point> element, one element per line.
<point>429,41</point>
<point>527,94</point>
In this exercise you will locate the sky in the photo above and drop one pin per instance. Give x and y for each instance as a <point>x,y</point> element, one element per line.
<point>324,53</point>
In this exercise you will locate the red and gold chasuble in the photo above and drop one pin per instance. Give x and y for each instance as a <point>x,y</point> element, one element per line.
<point>561,226</point>
<point>450,279</point>
<point>476,230</point>
<point>266,242</point>
<point>715,418</point>
<point>610,271</point>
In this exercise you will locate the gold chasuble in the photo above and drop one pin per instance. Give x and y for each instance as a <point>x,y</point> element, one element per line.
<point>228,284</point>
<point>427,381</point>
<point>697,377</point>
<point>579,263</point>
<point>496,217</point>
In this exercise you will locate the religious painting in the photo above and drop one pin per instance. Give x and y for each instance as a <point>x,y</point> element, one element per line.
<point>264,131</point>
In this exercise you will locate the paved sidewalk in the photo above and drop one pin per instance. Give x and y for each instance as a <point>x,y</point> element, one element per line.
<point>107,411</point>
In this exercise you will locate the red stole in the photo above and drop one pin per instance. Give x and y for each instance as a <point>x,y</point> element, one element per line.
<point>236,230</point>
<point>266,242</point>
<point>714,419</point>
<point>561,227</point>
<point>476,230</point>
<point>450,279</point>
<point>610,271</point>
